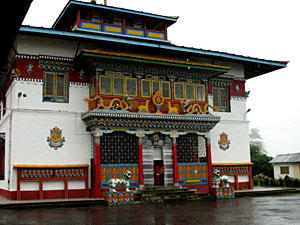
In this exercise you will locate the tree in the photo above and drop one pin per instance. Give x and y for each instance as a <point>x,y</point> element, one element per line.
<point>259,156</point>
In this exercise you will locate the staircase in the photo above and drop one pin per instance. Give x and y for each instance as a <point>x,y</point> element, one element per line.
<point>165,194</point>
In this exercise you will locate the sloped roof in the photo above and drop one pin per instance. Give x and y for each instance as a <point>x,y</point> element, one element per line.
<point>286,158</point>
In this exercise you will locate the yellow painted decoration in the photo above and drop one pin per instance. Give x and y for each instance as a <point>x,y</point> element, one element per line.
<point>114,103</point>
<point>90,26</point>
<point>172,109</point>
<point>135,32</point>
<point>144,108</point>
<point>192,181</point>
<point>158,99</point>
<point>155,35</point>
<point>196,109</point>
<point>113,29</point>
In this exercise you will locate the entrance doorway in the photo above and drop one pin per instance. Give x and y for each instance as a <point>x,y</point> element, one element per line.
<point>159,175</point>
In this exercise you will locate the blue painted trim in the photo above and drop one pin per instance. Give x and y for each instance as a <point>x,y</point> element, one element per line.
<point>153,45</point>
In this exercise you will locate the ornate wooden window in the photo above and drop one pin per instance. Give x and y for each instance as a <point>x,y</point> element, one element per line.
<point>221,99</point>
<point>200,92</point>
<point>191,148</point>
<point>55,87</point>
<point>155,86</point>
<point>179,91</point>
<point>131,86</point>
<point>118,86</point>
<point>284,170</point>
<point>189,92</point>
<point>119,148</point>
<point>166,90</point>
<point>146,88</point>
<point>105,85</point>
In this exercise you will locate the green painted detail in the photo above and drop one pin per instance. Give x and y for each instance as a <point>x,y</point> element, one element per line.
<point>153,62</point>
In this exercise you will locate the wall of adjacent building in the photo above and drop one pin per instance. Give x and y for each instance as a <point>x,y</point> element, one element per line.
<point>293,170</point>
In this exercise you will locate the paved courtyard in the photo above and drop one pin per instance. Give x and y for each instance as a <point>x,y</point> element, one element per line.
<point>282,209</point>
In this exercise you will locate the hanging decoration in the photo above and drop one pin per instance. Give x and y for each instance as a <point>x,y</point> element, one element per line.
<point>224,142</point>
<point>56,140</point>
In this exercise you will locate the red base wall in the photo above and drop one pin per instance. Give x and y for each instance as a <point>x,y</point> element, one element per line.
<point>51,194</point>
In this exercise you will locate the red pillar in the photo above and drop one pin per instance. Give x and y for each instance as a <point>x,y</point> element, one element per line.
<point>78,18</point>
<point>96,171</point>
<point>210,168</point>
<point>175,165</point>
<point>250,177</point>
<point>140,153</point>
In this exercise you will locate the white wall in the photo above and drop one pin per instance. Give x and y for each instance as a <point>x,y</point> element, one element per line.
<point>277,166</point>
<point>32,120</point>
<point>235,125</point>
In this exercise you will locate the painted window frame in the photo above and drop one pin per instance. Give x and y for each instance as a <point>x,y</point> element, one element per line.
<point>110,85</point>
<point>54,97</point>
<point>219,107</point>
<point>284,170</point>
<point>113,88</point>
<point>204,91</point>
<point>183,90</point>
<point>136,87</point>
<point>162,88</point>
<point>142,88</point>
<point>159,87</point>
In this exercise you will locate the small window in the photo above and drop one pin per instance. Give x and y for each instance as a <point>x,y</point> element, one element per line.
<point>118,86</point>
<point>284,170</point>
<point>220,99</point>
<point>105,85</point>
<point>146,88</point>
<point>166,89</point>
<point>179,90</point>
<point>189,92</point>
<point>155,86</point>
<point>200,92</point>
<point>55,87</point>
<point>131,87</point>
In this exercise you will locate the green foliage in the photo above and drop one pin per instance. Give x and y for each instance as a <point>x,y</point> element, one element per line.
<point>260,162</point>
<point>259,156</point>
<point>287,181</point>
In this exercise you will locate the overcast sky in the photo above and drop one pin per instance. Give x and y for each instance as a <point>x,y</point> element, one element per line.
<point>266,29</point>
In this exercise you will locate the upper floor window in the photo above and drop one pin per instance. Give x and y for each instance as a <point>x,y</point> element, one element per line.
<point>150,87</point>
<point>189,91</point>
<point>55,87</point>
<point>221,99</point>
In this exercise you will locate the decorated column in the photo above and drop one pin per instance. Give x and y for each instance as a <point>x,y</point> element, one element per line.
<point>140,135</point>
<point>174,135</point>
<point>209,161</point>
<point>96,170</point>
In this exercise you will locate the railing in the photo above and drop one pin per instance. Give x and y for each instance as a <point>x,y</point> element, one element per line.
<point>121,30</point>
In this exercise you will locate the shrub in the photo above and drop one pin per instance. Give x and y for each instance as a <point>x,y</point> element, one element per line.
<point>273,182</point>
<point>267,181</point>
<point>281,182</point>
<point>287,181</point>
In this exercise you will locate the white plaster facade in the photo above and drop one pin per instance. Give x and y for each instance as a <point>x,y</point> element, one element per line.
<point>294,170</point>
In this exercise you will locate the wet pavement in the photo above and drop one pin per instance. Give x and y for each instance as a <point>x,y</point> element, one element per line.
<point>282,209</point>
